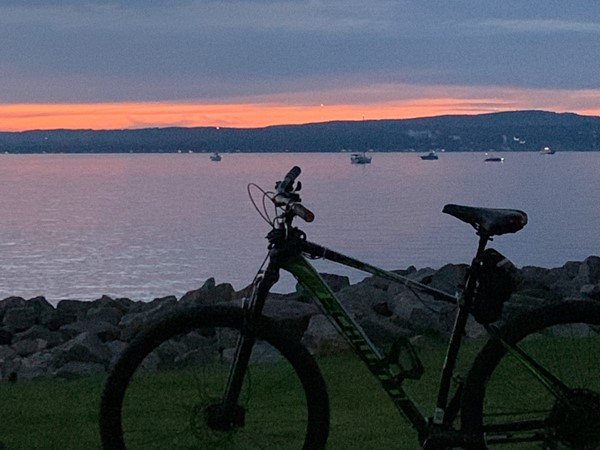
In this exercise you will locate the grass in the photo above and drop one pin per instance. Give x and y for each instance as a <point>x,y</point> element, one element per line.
<point>50,414</point>
<point>57,414</point>
<point>63,415</point>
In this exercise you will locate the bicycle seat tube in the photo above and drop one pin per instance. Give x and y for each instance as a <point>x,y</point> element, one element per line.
<point>460,323</point>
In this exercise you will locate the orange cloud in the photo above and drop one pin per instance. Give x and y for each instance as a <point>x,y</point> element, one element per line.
<point>451,100</point>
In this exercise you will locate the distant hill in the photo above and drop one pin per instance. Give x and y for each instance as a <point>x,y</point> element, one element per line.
<point>503,131</point>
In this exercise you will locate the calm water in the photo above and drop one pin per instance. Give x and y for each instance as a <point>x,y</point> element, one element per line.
<point>143,226</point>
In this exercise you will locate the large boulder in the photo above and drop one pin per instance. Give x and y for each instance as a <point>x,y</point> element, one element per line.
<point>208,294</point>
<point>143,314</point>
<point>9,303</point>
<point>86,348</point>
<point>322,338</point>
<point>292,316</point>
<point>52,338</point>
<point>105,331</point>
<point>20,318</point>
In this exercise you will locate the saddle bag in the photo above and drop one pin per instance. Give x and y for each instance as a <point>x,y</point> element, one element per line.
<point>497,279</point>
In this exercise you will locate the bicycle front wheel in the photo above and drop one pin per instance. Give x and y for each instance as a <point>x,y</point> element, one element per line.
<point>167,386</point>
<point>504,402</point>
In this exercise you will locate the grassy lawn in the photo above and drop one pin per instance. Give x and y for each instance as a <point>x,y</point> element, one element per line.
<point>50,414</point>
<point>63,415</point>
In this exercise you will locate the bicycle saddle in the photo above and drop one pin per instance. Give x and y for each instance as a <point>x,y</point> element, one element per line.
<point>491,221</point>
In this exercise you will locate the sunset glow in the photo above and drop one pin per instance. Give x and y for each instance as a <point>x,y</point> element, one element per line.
<point>24,116</point>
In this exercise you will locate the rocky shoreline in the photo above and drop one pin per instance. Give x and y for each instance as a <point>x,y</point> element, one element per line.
<point>78,338</point>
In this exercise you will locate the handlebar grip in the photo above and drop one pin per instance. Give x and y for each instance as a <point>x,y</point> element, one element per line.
<point>289,179</point>
<point>304,213</point>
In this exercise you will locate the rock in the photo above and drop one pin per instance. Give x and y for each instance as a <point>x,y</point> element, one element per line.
<point>27,347</point>
<point>449,278</point>
<point>383,332</point>
<point>334,281</point>
<point>122,304</point>
<point>67,311</point>
<point>208,294</point>
<point>589,271</point>
<point>105,331</point>
<point>145,314</point>
<point>108,314</point>
<point>52,338</point>
<point>20,318</point>
<point>209,284</point>
<point>591,290</point>
<point>360,299</point>
<point>321,338</point>
<point>115,347</point>
<point>9,303</point>
<point>6,353</point>
<point>156,304</point>
<point>78,338</point>
<point>43,308</point>
<point>474,330</point>
<point>5,337</point>
<point>34,366</point>
<point>293,316</point>
<point>383,309</point>
<point>523,301</point>
<point>73,308</point>
<point>86,347</point>
<point>403,304</point>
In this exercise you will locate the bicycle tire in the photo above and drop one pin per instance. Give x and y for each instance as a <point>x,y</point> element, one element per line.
<point>214,323</point>
<point>558,337</point>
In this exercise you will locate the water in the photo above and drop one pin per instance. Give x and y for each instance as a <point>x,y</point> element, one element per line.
<point>145,226</point>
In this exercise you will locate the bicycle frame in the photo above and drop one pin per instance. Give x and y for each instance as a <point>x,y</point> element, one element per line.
<point>386,371</point>
<point>287,253</point>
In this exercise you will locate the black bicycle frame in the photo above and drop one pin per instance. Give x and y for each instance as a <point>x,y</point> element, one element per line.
<point>288,253</point>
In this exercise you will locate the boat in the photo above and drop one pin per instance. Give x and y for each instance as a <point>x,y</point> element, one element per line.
<point>547,151</point>
<point>493,158</point>
<point>431,156</point>
<point>215,157</point>
<point>360,158</point>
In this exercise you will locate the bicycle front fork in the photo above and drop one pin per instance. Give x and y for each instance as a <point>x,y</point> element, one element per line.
<point>253,307</point>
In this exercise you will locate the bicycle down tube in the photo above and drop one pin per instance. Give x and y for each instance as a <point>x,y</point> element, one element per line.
<point>383,370</point>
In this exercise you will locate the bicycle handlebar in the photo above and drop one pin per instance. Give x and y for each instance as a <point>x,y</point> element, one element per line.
<point>291,200</point>
<point>304,213</point>
<point>288,180</point>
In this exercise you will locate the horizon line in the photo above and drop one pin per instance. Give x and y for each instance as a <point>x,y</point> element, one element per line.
<point>102,109</point>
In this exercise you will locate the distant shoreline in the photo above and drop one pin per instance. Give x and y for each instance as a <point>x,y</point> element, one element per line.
<point>514,131</point>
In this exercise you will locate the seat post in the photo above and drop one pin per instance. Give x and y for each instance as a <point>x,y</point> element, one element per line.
<point>484,238</point>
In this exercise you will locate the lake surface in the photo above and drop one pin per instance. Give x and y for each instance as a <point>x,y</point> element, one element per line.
<point>145,226</point>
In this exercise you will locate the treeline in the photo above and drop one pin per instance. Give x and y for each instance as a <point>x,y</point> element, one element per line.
<point>504,131</point>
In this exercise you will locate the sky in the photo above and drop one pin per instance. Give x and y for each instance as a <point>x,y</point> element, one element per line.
<point>252,63</point>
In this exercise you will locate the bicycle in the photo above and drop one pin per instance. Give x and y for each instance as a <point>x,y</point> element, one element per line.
<point>222,345</point>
